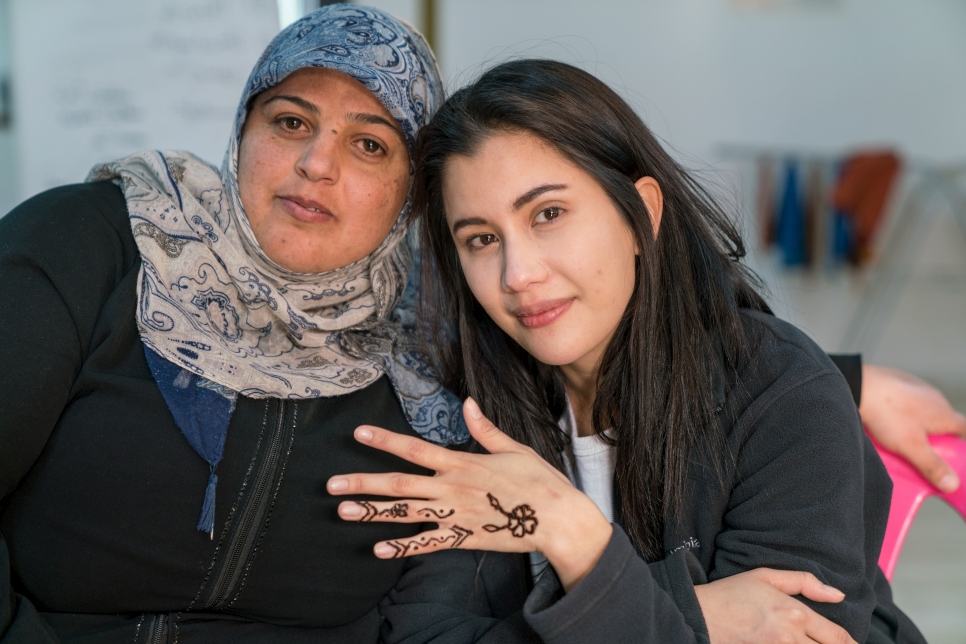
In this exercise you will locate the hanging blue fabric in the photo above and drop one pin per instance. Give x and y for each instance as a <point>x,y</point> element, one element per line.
<point>843,239</point>
<point>790,232</point>
<point>202,411</point>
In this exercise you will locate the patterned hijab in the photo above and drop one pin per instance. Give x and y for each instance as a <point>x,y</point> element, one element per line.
<point>211,302</point>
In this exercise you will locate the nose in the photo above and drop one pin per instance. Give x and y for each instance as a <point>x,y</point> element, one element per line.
<point>319,160</point>
<point>523,265</point>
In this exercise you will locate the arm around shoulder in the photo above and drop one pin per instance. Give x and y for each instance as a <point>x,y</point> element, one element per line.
<point>805,497</point>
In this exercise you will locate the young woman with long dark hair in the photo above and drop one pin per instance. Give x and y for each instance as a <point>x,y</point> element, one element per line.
<point>588,294</point>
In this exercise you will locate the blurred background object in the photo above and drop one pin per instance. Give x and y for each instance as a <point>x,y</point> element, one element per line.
<point>834,128</point>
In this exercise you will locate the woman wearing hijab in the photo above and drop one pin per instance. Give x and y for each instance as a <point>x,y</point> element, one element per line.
<point>187,351</point>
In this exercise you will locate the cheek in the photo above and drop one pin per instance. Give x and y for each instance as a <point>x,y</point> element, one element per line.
<point>257,166</point>
<point>376,199</point>
<point>484,279</point>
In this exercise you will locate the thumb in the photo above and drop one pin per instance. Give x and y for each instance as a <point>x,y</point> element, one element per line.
<point>933,469</point>
<point>795,582</point>
<point>485,432</point>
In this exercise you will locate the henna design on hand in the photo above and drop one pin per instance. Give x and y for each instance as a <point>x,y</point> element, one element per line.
<point>520,521</point>
<point>396,511</point>
<point>402,548</point>
<point>427,513</point>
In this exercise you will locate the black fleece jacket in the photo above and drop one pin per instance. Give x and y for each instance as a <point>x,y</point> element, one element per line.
<point>804,490</point>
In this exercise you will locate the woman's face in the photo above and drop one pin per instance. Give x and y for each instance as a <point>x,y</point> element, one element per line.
<point>543,248</point>
<point>323,171</point>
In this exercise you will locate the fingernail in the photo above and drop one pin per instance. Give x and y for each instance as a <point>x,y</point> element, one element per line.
<point>338,484</point>
<point>350,511</point>
<point>383,550</point>
<point>473,409</point>
<point>834,591</point>
<point>948,483</point>
<point>363,434</point>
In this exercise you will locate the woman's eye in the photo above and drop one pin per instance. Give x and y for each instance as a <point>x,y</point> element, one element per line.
<point>370,147</point>
<point>291,123</point>
<point>479,241</point>
<point>549,214</point>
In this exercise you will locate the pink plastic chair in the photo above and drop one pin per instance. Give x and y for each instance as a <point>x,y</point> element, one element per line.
<point>910,490</point>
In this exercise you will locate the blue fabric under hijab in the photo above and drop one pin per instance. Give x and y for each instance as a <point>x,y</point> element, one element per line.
<point>212,303</point>
<point>202,411</point>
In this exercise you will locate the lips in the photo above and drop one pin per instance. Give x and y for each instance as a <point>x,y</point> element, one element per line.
<point>305,210</point>
<point>542,313</point>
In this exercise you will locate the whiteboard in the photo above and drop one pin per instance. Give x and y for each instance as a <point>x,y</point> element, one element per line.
<point>95,80</point>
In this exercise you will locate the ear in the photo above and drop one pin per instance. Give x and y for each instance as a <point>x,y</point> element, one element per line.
<point>653,198</point>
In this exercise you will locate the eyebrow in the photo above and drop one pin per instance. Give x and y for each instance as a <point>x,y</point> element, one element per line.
<point>374,119</point>
<point>469,221</point>
<point>301,102</point>
<point>521,201</point>
<point>530,195</point>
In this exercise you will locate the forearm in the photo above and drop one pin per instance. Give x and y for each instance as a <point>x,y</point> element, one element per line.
<point>808,498</point>
<point>459,596</point>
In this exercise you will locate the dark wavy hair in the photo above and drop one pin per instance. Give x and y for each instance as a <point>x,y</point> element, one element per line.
<point>681,328</point>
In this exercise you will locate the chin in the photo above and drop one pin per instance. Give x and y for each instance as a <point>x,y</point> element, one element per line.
<point>554,355</point>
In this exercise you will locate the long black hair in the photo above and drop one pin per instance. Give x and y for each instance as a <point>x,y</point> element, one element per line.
<point>680,328</point>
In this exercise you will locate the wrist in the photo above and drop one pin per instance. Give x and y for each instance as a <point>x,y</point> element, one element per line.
<point>575,548</point>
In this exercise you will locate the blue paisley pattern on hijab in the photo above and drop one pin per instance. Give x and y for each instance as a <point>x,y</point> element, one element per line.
<point>211,302</point>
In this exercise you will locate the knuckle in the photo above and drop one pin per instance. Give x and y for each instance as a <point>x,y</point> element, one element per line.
<point>416,448</point>
<point>381,438</point>
<point>400,484</point>
<point>841,636</point>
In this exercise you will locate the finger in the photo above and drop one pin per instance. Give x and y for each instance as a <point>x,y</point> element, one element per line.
<point>934,469</point>
<point>430,541</point>
<point>408,511</point>
<point>796,582</point>
<point>485,432</point>
<point>385,484</point>
<point>825,631</point>
<point>957,425</point>
<point>415,450</point>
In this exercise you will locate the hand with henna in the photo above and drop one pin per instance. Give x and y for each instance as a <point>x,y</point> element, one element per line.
<point>509,500</point>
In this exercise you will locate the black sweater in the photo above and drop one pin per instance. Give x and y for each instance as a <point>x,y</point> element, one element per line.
<point>100,492</point>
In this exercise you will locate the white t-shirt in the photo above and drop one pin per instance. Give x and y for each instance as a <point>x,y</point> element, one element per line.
<point>595,465</point>
<point>594,476</point>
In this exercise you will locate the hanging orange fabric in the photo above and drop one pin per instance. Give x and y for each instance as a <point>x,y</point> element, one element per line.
<point>861,193</point>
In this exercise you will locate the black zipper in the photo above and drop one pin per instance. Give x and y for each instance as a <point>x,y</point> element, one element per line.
<point>158,633</point>
<point>154,633</point>
<point>251,519</point>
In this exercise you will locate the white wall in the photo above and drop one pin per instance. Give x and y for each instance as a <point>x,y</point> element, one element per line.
<point>97,80</point>
<point>8,166</point>
<point>703,72</point>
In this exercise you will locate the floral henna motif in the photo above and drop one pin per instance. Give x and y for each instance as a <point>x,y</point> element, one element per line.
<point>453,540</point>
<point>396,511</point>
<point>520,521</point>
<point>430,513</point>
